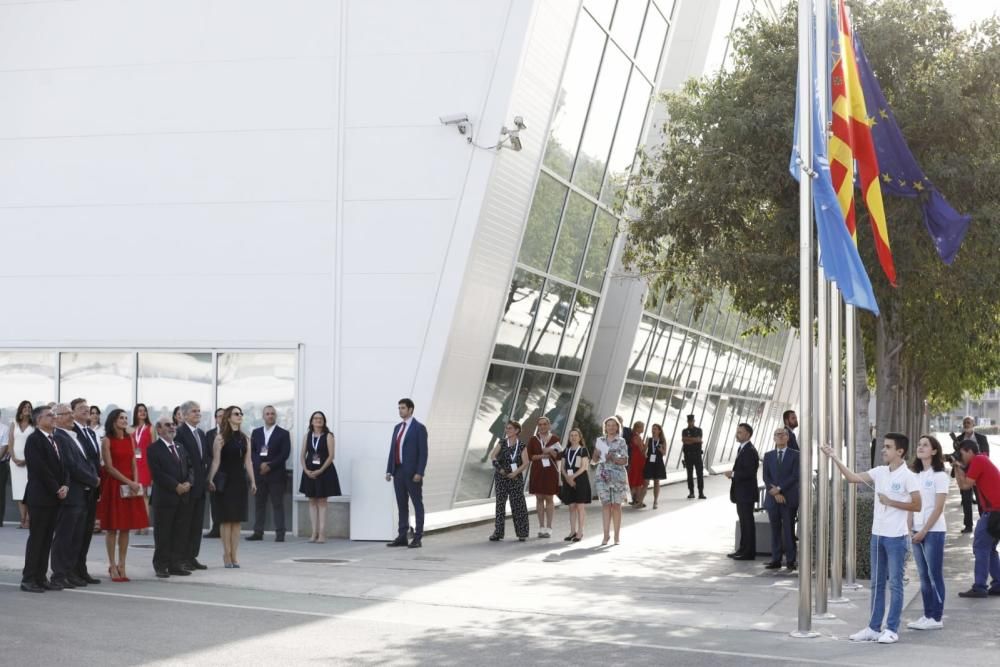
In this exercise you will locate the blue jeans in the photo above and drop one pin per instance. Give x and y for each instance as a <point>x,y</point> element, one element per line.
<point>984,548</point>
<point>887,554</point>
<point>929,557</point>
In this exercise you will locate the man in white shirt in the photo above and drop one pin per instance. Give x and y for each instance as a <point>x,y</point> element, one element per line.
<point>897,492</point>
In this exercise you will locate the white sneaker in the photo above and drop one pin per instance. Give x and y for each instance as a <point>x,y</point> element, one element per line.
<point>931,624</point>
<point>888,637</point>
<point>919,624</point>
<point>866,634</point>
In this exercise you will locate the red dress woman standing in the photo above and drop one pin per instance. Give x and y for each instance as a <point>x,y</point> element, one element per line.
<point>120,508</point>
<point>543,482</point>
<point>141,432</point>
<point>636,465</point>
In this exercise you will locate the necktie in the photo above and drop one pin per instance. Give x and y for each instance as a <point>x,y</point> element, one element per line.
<point>56,448</point>
<point>399,444</point>
<point>173,450</point>
<point>781,455</point>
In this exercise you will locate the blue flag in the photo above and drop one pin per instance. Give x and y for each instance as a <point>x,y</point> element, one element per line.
<point>900,175</point>
<point>838,252</point>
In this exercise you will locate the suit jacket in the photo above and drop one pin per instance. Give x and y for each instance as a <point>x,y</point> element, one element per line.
<point>414,446</point>
<point>278,449</point>
<point>785,476</point>
<point>167,472</point>
<point>45,471</point>
<point>743,488</point>
<point>981,441</point>
<point>81,475</point>
<point>199,458</point>
<point>92,446</point>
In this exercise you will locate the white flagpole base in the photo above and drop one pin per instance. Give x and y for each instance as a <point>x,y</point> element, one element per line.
<point>804,634</point>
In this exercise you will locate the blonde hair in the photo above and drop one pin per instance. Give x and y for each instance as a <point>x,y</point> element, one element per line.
<point>569,436</point>
<point>604,425</point>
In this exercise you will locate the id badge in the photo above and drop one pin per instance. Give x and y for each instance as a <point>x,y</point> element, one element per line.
<point>546,463</point>
<point>652,458</point>
<point>316,461</point>
<point>263,451</point>
<point>138,453</point>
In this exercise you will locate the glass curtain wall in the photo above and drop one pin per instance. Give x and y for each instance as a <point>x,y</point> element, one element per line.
<point>554,292</point>
<point>681,365</point>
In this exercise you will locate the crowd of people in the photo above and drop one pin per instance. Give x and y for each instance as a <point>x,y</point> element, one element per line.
<point>73,475</point>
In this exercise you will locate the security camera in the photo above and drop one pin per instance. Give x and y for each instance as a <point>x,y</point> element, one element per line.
<point>459,120</point>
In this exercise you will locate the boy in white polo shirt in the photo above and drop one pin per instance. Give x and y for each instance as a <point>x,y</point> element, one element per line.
<point>897,494</point>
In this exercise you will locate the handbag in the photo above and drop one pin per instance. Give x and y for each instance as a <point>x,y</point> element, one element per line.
<point>125,490</point>
<point>220,481</point>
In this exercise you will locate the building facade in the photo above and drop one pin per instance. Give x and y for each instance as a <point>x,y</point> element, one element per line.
<point>256,202</point>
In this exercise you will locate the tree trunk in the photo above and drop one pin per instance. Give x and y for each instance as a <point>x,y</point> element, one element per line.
<point>862,401</point>
<point>888,383</point>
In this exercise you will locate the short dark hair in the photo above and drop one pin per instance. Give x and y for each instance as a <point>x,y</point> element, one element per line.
<point>407,402</point>
<point>37,412</point>
<point>690,417</point>
<point>970,445</point>
<point>75,402</point>
<point>748,427</point>
<point>513,423</point>
<point>899,440</point>
<point>784,415</point>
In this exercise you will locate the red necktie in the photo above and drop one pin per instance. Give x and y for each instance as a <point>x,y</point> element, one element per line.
<point>55,447</point>
<point>399,444</point>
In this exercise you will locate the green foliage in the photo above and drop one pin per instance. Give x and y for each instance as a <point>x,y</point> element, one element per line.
<point>588,423</point>
<point>717,208</point>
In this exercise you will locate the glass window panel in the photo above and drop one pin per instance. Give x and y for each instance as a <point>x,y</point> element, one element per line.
<point>577,332</point>
<point>626,138</point>
<point>559,403</point>
<point>626,406</point>
<point>645,405</point>
<point>660,346</point>
<point>105,379</point>
<point>495,407</point>
<point>26,376</point>
<point>659,411</point>
<point>601,10</point>
<point>167,379</point>
<point>685,376</point>
<point>252,380</point>
<point>641,348</point>
<point>543,221</point>
<point>654,32</point>
<point>531,400</point>
<point>673,423</point>
<point>601,240</point>
<point>574,95</point>
<point>601,121</point>
<point>672,365</point>
<point>573,238</point>
<point>719,373</point>
<point>684,311</point>
<point>519,311</point>
<point>550,322</point>
<point>627,23</point>
<point>707,415</point>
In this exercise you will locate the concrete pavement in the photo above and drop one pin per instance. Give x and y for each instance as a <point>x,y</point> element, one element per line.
<point>667,594</point>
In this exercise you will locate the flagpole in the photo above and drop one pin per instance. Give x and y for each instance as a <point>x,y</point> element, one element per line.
<point>837,421</point>
<point>851,526</point>
<point>805,323</point>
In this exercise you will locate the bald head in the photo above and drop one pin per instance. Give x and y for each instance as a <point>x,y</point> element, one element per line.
<point>64,416</point>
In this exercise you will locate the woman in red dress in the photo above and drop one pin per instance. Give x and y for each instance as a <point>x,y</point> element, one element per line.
<point>120,508</point>
<point>543,452</point>
<point>636,465</point>
<point>141,432</point>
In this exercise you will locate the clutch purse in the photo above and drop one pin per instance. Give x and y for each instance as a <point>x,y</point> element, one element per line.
<point>125,490</point>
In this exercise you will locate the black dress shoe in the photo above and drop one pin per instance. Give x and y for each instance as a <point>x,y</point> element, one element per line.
<point>211,533</point>
<point>415,544</point>
<point>179,571</point>
<point>691,495</point>
<point>162,574</point>
<point>256,537</point>
<point>747,557</point>
<point>734,554</point>
<point>703,497</point>
<point>74,581</point>
<point>89,579</point>
<point>495,538</point>
<point>280,537</point>
<point>53,586</point>
<point>792,566</point>
<point>967,529</point>
<point>973,593</point>
<point>187,567</point>
<point>31,587</point>
<point>196,565</point>
<point>398,542</point>
<point>994,591</point>
<point>773,565</point>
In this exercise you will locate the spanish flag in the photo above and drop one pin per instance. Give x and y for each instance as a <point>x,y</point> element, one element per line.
<point>851,141</point>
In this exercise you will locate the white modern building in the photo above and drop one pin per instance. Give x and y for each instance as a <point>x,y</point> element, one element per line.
<point>256,201</point>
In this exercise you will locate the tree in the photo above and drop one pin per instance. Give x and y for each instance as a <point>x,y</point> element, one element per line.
<point>716,207</point>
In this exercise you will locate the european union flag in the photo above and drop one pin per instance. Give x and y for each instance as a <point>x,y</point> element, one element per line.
<point>901,175</point>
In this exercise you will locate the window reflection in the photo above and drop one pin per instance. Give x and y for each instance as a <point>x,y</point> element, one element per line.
<point>252,380</point>
<point>167,379</point>
<point>531,398</point>
<point>26,376</point>
<point>573,238</point>
<point>627,23</point>
<point>543,221</point>
<point>496,406</point>
<point>105,379</point>
<point>651,43</point>
<point>626,406</point>
<point>644,406</point>
<point>655,367</point>
<point>601,241</point>
<point>601,121</point>
<point>627,138</point>
<point>601,10</point>
<point>559,402</point>
<point>577,332</point>
<point>641,348</point>
<point>519,310</point>
<point>574,96</point>
<point>553,315</point>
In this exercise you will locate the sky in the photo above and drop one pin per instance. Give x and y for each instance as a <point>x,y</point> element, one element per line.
<point>967,11</point>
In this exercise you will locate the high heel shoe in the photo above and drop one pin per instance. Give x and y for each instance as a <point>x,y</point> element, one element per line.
<point>121,573</point>
<point>576,538</point>
<point>568,537</point>
<point>113,573</point>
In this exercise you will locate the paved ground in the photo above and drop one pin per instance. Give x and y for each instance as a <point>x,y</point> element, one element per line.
<point>666,595</point>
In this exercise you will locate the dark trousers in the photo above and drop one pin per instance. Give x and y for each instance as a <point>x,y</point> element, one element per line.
<point>748,531</point>
<point>4,476</point>
<point>514,490</point>
<point>80,568</point>
<point>195,526</point>
<point>969,498</point>
<point>275,490</point>
<point>171,524</point>
<point>693,462</point>
<point>409,491</point>
<point>782,518</point>
<point>39,545</point>
<point>67,540</point>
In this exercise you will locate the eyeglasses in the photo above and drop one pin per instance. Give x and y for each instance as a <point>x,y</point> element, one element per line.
<point>61,414</point>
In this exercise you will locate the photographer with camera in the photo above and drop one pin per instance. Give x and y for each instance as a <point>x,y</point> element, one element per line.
<point>976,470</point>
<point>969,433</point>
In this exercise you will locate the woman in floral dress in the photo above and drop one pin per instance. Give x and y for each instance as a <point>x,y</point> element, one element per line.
<point>611,477</point>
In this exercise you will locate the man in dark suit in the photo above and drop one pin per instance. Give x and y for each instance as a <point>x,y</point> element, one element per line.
<point>92,448</point>
<point>213,501</point>
<point>781,480</point>
<point>199,451</point>
<point>44,493</point>
<point>969,496</point>
<point>743,492</point>
<point>407,460</point>
<point>172,481</point>
<point>81,478</point>
<point>270,446</point>
<point>791,423</point>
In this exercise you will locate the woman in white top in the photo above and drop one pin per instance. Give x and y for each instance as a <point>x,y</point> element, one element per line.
<point>20,429</point>
<point>928,531</point>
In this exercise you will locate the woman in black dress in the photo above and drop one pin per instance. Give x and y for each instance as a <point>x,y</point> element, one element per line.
<point>319,476</point>
<point>229,477</point>
<point>576,484</point>
<point>655,468</point>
